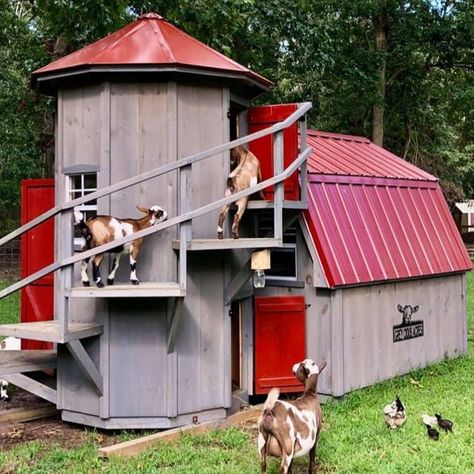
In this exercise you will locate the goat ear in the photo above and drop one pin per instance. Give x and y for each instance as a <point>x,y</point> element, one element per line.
<point>322,366</point>
<point>416,308</point>
<point>399,307</point>
<point>143,209</point>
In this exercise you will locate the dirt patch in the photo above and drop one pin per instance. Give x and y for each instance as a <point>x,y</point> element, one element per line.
<point>47,430</point>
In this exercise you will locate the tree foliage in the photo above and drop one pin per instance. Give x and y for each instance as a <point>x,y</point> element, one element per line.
<point>319,50</point>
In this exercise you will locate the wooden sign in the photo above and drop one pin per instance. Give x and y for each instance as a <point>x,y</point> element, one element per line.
<point>408,329</point>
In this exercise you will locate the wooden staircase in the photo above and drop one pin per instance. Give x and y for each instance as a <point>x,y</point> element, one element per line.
<point>71,333</point>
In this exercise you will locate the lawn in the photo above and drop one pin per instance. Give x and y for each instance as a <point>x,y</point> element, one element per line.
<point>354,440</point>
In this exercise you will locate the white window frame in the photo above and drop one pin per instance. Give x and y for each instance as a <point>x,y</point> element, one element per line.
<point>86,207</point>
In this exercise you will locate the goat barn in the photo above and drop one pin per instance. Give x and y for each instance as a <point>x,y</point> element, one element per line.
<point>367,268</point>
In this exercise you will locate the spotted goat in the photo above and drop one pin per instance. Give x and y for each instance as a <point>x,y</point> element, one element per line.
<point>9,344</point>
<point>245,173</point>
<point>291,429</point>
<point>101,230</point>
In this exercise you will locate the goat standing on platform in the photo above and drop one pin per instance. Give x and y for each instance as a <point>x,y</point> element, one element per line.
<point>9,344</point>
<point>291,429</point>
<point>101,230</point>
<point>246,173</point>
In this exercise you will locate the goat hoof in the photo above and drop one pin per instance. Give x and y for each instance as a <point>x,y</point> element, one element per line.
<point>235,235</point>
<point>86,283</point>
<point>135,282</point>
<point>100,284</point>
<point>110,282</point>
<point>220,235</point>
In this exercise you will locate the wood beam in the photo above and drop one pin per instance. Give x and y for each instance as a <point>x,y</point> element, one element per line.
<point>32,386</point>
<point>86,364</point>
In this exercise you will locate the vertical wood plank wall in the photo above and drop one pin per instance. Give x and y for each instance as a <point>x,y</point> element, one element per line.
<point>369,314</point>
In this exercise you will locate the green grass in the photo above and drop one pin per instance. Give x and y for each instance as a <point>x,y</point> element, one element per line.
<point>9,306</point>
<point>355,438</point>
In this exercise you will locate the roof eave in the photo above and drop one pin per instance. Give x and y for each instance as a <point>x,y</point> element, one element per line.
<point>46,82</point>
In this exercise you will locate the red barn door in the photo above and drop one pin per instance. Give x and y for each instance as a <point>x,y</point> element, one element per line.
<point>37,251</point>
<point>280,342</point>
<point>265,116</point>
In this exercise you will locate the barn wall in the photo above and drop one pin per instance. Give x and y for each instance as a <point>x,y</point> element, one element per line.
<point>369,314</point>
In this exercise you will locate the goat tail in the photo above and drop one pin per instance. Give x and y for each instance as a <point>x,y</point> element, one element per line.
<point>271,399</point>
<point>78,217</point>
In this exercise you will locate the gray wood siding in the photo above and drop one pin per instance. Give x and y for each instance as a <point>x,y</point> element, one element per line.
<point>138,357</point>
<point>369,314</point>
<point>143,137</point>
<point>201,337</point>
<point>203,124</point>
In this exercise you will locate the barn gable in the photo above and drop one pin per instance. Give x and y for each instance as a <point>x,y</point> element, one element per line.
<point>374,217</point>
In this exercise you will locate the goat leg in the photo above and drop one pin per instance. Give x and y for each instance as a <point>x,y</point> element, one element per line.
<point>116,262</point>
<point>96,261</point>
<point>133,265</point>
<point>84,275</point>
<point>312,459</point>
<point>241,205</point>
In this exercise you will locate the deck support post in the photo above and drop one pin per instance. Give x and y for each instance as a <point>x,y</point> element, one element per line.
<point>86,364</point>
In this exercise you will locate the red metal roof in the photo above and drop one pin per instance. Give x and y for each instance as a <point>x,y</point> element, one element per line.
<point>389,225</point>
<point>357,156</point>
<point>151,41</point>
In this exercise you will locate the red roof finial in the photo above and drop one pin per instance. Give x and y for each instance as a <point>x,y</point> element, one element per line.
<point>150,16</point>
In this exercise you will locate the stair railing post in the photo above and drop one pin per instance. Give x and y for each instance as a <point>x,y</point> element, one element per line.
<point>304,166</point>
<point>279,192</point>
<point>65,250</point>
<point>185,229</point>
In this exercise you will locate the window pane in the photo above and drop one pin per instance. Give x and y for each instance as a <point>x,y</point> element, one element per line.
<point>76,182</point>
<point>90,181</point>
<point>283,263</point>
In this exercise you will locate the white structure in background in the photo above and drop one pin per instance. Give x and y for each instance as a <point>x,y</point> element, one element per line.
<point>465,217</point>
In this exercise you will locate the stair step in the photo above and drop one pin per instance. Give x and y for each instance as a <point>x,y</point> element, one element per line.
<point>143,290</point>
<point>230,244</point>
<point>14,362</point>
<point>49,331</point>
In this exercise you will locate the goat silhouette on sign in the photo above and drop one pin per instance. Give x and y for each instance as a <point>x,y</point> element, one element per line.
<point>407,312</point>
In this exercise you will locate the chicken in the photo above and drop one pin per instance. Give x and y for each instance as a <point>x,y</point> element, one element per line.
<point>446,425</point>
<point>432,433</point>
<point>395,414</point>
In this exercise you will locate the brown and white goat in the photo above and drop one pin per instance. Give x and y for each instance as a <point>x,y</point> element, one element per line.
<point>9,344</point>
<point>101,230</point>
<point>291,429</point>
<point>245,173</point>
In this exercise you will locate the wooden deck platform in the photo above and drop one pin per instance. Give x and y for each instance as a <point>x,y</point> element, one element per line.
<point>230,244</point>
<point>127,290</point>
<point>49,331</point>
<point>14,362</point>
<point>270,205</point>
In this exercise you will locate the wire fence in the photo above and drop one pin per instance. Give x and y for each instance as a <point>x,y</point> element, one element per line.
<point>9,274</point>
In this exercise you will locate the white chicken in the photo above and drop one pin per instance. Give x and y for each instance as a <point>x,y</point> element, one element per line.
<point>395,414</point>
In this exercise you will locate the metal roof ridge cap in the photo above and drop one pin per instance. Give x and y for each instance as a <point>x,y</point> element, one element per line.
<point>338,136</point>
<point>161,39</point>
<point>138,25</point>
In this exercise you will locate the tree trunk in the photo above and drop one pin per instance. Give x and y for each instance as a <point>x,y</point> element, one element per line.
<point>380,27</point>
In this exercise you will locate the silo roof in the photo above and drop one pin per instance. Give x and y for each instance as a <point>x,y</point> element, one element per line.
<point>150,42</point>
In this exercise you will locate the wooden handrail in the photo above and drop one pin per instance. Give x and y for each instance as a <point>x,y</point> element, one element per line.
<point>302,157</point>
<point>69,205</point>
